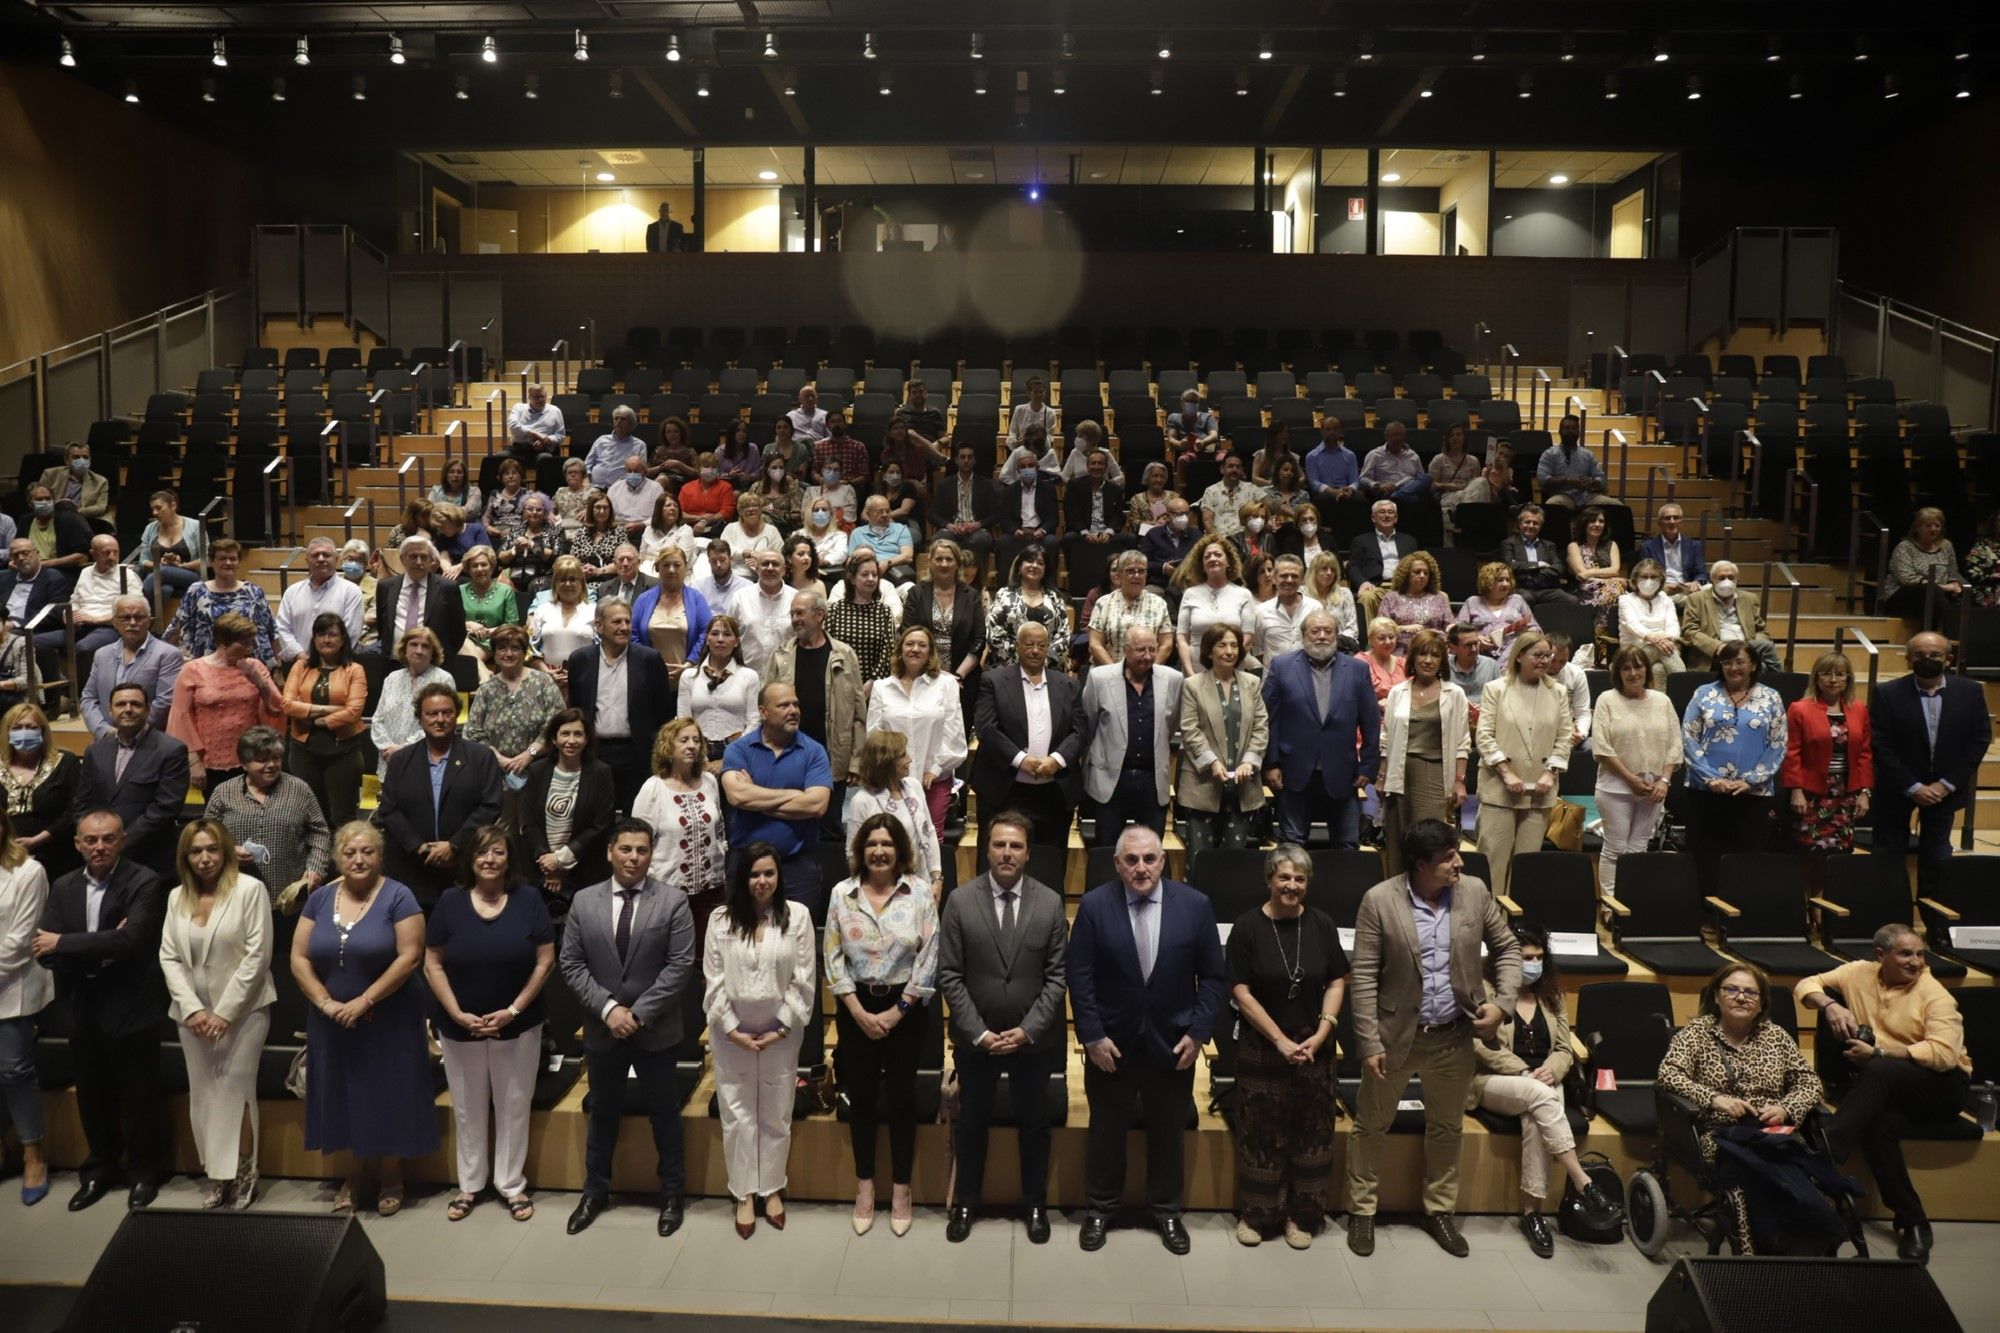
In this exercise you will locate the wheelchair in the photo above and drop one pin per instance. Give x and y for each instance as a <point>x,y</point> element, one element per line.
<point>1651,1211</point>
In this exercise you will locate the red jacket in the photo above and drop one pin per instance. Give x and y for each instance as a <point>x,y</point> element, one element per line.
<point>1809,748</point>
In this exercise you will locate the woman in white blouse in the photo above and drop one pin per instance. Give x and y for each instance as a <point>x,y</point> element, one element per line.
<point>1035,412</point>
<point>683,803</point>
<point>25,990</point>
<point>395,722</point>
<point>215,951</point>
<point>751,533</point>
<point>884,786</point>
<point>1212,579</point>
<point>721,695</point>
<point>829,538</point>
<point>920,699</point>
<point>1647,621</point>
<point>1323,585</point>
<point>1635,736</point>
<point>665,530</point>
<point>562,619</point>
<point>761,987</point>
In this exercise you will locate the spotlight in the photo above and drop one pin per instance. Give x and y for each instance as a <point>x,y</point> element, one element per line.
<point>1964,87</point>
<point>1694,88</point>
<point>1798,89</point>
<point>884,87</point>
<point>1264,47</point>
<point>1558,179</point>
<point>132,91</point>
<point>979,81</point>
<point>673,48</point>
<point>1774,49</point>
<point>605,178</point>
<point>1611,87</point>
<point>1242,83</point>
<point>1891,90</point>
<point>361,87</point>
<point>302,51</point>
<point>616,87</point>
<point>1166,47</point>
<point>770,46</point>
<point>1526,88</point>
<point>1069,46</point>
<point>1426,86</point>
<point>68,58</point>
<point>1861,51</point>
<point>1159,82</point>
<point>978,47</point>
<point>701,83</point>
<point>1662,53</point>
<point>1059,83</point>
<point>395,49</point>
<point>208,90</point>
<point>582,45</point>
<point>532,89</point>
<point>463,89</point>
<point>278,89</point>
<point>1340,83</point>
<point>767,175</point>
<point>1034,194</point>
<point>489,51</point>
<point>791,83</point>
<point>1478,48</point>
<point>1961,49</point>
<point>219,54</point>
<point>867,46</point>
<point>1366,45</point>
<point>1568,48</point>
<point>1391,177</point>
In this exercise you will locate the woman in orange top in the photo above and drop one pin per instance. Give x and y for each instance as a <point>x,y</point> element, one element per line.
<point>1829,759</point>
<point>324,696</point>
<point>218,698</point>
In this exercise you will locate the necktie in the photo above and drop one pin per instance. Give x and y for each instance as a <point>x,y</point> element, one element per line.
<point>628,902</point>
<point>1142,936</point>
<point>412,604</point>
<point>1008,902</point>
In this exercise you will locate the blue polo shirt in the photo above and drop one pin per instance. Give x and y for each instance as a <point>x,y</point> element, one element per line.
<point>801,765</point>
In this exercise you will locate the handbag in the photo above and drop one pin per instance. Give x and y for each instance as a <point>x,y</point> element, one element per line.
<point>295,1077</point>
<point>1565,830</point>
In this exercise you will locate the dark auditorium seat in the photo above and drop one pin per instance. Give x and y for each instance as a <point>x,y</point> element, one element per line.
<point>1964,897</point>
<point>1760,914</point>
<point>1656,915</point>
<point>1627,1026</point>
<point>1558,892</point>
<point>1861,895</point>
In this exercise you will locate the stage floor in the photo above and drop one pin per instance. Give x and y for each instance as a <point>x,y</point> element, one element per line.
<point>818,1267</point>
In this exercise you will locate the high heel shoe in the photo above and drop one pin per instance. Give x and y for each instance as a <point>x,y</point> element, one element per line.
<point>746,1229</point>
<point>864,1215</point>
<point>774,1212</point>
<point>900,1214</point>
<point>34,1194</point>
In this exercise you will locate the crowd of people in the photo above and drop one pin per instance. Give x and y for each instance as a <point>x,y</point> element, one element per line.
<point>613,727</point>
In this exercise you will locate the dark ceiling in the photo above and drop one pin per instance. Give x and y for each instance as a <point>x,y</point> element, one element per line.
<point>1216,87</point>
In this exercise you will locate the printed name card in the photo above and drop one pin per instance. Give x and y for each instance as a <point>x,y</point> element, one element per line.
<point>1346,938</point>
<point>1975,937</point>
<point>1579,942</point>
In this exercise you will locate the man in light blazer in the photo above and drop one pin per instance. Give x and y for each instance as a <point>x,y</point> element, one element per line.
<point>1721,610</point>
<point>1001,943</point>
<point>1130,711</point>
<point>429,826</point>
<point>1029,741</point>
<point>142,774</point>
<point>73,480</point>
<point>628,953</point>
<point>1326,734</point>
<point>1416,996</point>
<point>1146,984</point>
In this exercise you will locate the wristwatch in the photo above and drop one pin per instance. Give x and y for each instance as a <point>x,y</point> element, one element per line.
<point>903,1004</point>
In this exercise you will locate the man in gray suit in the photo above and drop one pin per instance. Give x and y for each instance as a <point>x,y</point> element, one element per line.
<point>628,952</point>
<point>1419,1000</point>
<point>1130,711</point>
<point>1000,966</point>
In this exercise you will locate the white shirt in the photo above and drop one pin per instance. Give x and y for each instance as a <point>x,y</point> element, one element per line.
<point>1670,559</point>
<point>94,593</point>
<point>911,808</point>
<point>522,419</point>
<point>557,635</point>
<point>93,901</point>
<point>613,701</point>
<point>1390,555</point>
<point>1572,679</point>
<point>1026,414</point>
<point>1202,606</point>
<point>926,710</point>
<point>766,622</point>
<point>652,542</point>
<point>742,545</point>
<point>402,610</point>
<point>1280,631</point>
<point>1226,505</point>
<point>629,506</point>
<point>720,710</point>
<point>17,601</point>
<point>1636,620</point>
<point>1731,628</point>
<point>304,602</point>
<point>1035,693</point>
<point>811,425</point>
<point>830,549</point>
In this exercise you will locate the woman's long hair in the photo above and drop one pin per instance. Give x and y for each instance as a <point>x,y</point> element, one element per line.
<point>740,906</point>
<point>225,878</point>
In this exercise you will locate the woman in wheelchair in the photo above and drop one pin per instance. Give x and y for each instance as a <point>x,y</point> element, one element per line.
<point>1523,1075</point>
<point>1734,1066</point>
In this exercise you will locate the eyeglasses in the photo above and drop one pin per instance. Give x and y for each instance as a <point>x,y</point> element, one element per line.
<point>1739,992</point>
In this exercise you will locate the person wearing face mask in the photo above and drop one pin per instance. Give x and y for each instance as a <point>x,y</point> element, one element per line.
<point>1301,536</point>
<point>1088,443</point>
<point>1192,428</point>
<point>39,781</point>
<point>708,503</point>
<point>909,458</point>
<point>1167,544</point>
<point>1720,612</point>
<point>60,535</point>
<point>72,480</point>
<point>908,504</point>
<point>1256,540</point>
<point>833,489</point>
<point>1647,621</point>
<point>1931,732</point>
<point>357,572</point>
<point>778,492</point>
<point>633,497</point>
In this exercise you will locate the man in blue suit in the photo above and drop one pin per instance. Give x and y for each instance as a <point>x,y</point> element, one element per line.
<point>1931,731</point>
<point>622,687</point>
<point>1146,984</point>
<point>1682,557</point>
<point>1325,732</point>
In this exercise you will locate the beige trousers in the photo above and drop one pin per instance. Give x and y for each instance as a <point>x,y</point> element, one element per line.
<point>1442,1061</point>
<point>1544,1127</point>
<point>1504,832</point>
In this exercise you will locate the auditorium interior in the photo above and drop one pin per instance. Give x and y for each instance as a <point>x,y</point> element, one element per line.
<point>294,261</point>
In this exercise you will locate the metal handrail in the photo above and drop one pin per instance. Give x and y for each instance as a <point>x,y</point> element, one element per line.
<point>402,481</point>
<point>1623,363</point>
<point>220,501</point>
<point>420,387</point>
<point>285,570</point>
<point>326,456</point>
<point>1792,616</point>
<point>1573,407</point>
<point>1728,535</point>
<point>1510,370</point>
<point>271,510</point>
<point>132,562</point>
<point>1748,504</point>
<point>529,372</point>
<point>1867,646</point>
<point>501,394</point>
<point>1649,403</point>
<point>559,358</point>
<point>1672,487</point>
<point>386,420</point>
<point>1624,456</point>
<point>1543,386</point>
<point>454,356</point>
<point>464,444</point>
<point>60,610</point>
<point>347,521</point>
<point>1810,547</point>
<point>1854,554</point>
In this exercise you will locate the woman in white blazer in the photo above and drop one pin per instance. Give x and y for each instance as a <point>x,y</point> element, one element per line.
<point>26,988</point>
<point>215,949</point>
<point>1425,741</point>
<point>1524,734</point>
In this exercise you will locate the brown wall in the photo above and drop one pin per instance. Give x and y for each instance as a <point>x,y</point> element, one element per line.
<point>105,213</point>
<point>911,295</point>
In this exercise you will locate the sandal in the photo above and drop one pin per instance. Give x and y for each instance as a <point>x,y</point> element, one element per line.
<point>389,1202</point>
<point>521,1209</point>
<point>343,1200</point>
<point>460,1208</point>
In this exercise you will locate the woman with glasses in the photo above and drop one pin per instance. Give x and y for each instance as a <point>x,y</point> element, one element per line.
<point>1733,736</point>
<point>1523,736</point>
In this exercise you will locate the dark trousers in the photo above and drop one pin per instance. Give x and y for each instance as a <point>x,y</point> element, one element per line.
<point>123,1106</point>
<point>659,1095</point>
<point>1300,807</point>
<point>1166,1095</point>
<point>831,826</point>
<point>1027,1074</point>
<point>1892,836</point>
<point>1550,596</point>
<point>1042,802</point>
<point>335,778</point>
<point>1721,825</point>
<point>631,764</point>
<point>1877,1108</point>
<point>1134,801</point>
<point>878,1077</point>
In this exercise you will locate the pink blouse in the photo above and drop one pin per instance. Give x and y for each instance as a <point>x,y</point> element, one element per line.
<point>213,705</point>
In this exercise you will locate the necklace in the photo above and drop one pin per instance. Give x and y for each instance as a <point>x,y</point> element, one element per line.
<point>1295,966</point>
<point>346,928</point>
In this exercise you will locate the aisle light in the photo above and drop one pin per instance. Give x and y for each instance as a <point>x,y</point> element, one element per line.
<point>68,57</point>
<point>302,52</point>
<point>489,50</point>
<point>219,54</point>
<point>673,49</point>
<point>395,49</point>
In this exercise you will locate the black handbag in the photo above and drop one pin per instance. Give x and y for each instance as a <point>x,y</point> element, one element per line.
<point>1574,1221</point>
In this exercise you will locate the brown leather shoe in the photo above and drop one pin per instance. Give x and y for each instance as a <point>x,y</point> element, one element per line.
<point>1443,1229</point>
<point>1361,1235</point>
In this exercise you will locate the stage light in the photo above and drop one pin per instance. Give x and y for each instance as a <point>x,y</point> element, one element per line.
<point>1525,89</point>
<point>605,177</point>
<point>770,46</point>
<point>278,89</point>
<point>673,48</point>
<point>791,83</point>
<point>208,90</point>
<point>1891,90</point>
<point>1069,46</point>
<point>1662,53</point>
<point>978,47</point>
<point>1159,82</point>
<point>701,83</point>
<point>68,58</point>
<point>1961,49</point>
<point>1391,177</point>
<point>1694,88</point>
<point>582,51</point>
<point>532,89</point>
<point>489,51</point>
<point>1774,49</point>
<point>1964,87</point>
<point>1427,86</point>
<point>1478,48</point>
<point>1568,48</point>
<point>1340,83</point>
<point>219,54</point>
<point>302,52</point>
<point>463,89</point>
<point>1798,89</point>
<point>1558,179</point>
<point>1861,52</point>
<point>884,87</point>
<point>1034,194</point>
<point>1059,83</point>
<point>1611,87</point>
<point>132,92</point>
<point>1166,47</point>
<point>867,46</point>
<point>1366,43</point>
<point>1242,83</point>
<point>616,86</point>
<point>361,87</point>
<point>979,82</point>
<point>767,175</point>
<point>1264,47</point>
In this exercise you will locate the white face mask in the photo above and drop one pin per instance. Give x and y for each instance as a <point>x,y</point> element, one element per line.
<point>1725,587</point>
<point>1179,522</point>
<point>1254,524</point>
<point>1308,528</point>
<point>1647,587</point>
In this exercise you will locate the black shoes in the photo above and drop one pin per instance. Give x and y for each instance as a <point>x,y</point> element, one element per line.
<point>1540,1239</point>
<point>1599,1209</point>
<point>587,1209</point>
<point>1038,1225</point>
<point>1912,1242</point>
<point>671,1215</point>
<point>1091,1235</point>
<point>959,1225</point>
<point>1174,1235</point>
<point>89,1192</point>
<point>143,1194</point>
<point>1443,1229</point>
<point>1361,1234</point>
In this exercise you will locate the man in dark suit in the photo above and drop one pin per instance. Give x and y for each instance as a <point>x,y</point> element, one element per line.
<point>1683,559</point>
<point>100,936</point>
<point>1146,984</point>
<point>967,508</point>
<point>1029,510</point>
<point>1538,566</point>
<point>1001,942</point>
<point>622,686</point>
<point>1029,741</point>
<point>1931,732</point>
<point>420,595</point>
<point>27,585</point>
<point>140,773</point>
<point>628,954</point>
<point>435,797</point>
<point>666,236</point>
<point>1094,513</point>
<point>627,580</point>
<point>1321,706</point>
<point>1373,556</point>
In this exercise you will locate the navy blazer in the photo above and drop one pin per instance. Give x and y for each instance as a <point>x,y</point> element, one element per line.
<point>468,801</point>
<point>110,976</point>
<point>1145,1016</point>
<point>444,613</point>
<point>1348,741</point>
<point>1165,549</point>
<point>1903,751</point>
<point>49,586</point>
<point>1694,560</point>
<point>649,699</point>
<point>148,798</point>
<point>1364,557</point>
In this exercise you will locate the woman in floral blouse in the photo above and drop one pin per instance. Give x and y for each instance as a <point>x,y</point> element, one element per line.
<point>1982,564</point>
<point>503,507</point>
<point>596,543</point>
<point>193,626</point>
<point>1025,596</point>
<point>1734,736</point>
<point>513,704</point>
<point>683,803</point>
<point>881,963</point>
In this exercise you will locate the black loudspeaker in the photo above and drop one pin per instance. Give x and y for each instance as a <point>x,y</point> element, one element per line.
<point>1755,1295</point>
<point>227,1272</point>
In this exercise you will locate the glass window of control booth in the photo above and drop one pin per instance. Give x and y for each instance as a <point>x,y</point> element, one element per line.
<point>1577,204</point>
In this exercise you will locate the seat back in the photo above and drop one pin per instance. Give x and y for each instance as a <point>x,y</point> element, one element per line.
<point>1323,384</point>
<point>1664,893</point>
<point>1341,878</point>
<point>1626,1024</point>
<point>1875,890</point>
<point>1768,888</point>
<point>1556,890</point>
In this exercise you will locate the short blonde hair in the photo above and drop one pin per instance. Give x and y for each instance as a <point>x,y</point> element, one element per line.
<point>427,635</point>
<point>1491,573</point>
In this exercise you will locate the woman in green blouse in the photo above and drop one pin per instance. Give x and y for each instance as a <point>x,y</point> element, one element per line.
<point>511,707</point>
<point>489,603</point>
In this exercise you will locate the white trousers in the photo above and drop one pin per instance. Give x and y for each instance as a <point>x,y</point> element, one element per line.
<point>754,1093</point>
<point>1544,1127</point>
<point>1628,824</point>
<point>222,1085</point>
<point>496,1075</point>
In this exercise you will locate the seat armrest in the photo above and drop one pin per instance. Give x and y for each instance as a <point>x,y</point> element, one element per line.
<point>1578,1049</point>
<point>1513,908</point>
<point>1827,905</point>
<point>1939,908</point>
<point>1617,908</point>
<point>1719,905</point>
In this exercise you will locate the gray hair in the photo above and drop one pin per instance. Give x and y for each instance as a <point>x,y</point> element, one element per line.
<point>606,607</point>
<point>809,601</point>
<point>318,542</point>
<point>1127,558</point>
<point>259,743</point>
<point>1328,617</point>
<point>1289,560</point>
<point>419,543</point>
<point>1713,570</point>
<point>357,547</point>
<point>1133,832</point>
<point>131,599</point>
<point>1885,938</point>
<point>625,411</point>
<point>1287,854</point>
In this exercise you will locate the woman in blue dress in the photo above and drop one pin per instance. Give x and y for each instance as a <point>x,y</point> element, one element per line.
<point>368,1080</point>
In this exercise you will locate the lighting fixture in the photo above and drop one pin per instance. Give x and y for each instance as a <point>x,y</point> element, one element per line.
<point>616,86</point>
<point>68,58</point>
<point>132,91</point>
<point>1662,53</point>
<point>1069,46</point>
<point>1159,82</point>
<point>978,47</point>
<point>1366,43</point>
<point>1526,88</point>
<point>1340,83</point>
<point>302,51</point>
<point>278,88</point>
<point>767,175</point>
<point>770,46</point>
<point>884,87</point>
<point>1166,47</point>
<point>1242,83</point>
<point>1964,87</point>
<point>1034,194</point>
<point>1478,47</point>
<point>673,48</point>
<point>979,82</point>
<point>1264,47</point>
<point>1426,86</point>
<point>1568,48</point>
<point>463,89</point>
<point>219,54</point>
<point>1891,90</point>
<point>867,46</point>
<point>1611,87</point>
<point>532,89</point>
<point>791,83</point>
<point>1059,83</point>
<point>1558,179</point>
<point>1961,49</point>
<point>395,49</point>
<point>582,51</point>
<point>361,87</point>
<point>1694,88</point>
<point>975,175</point>
<point>208,90</point>
<point>1774,49</point>
<point>489,51</point>
<point>1391,177</point>
<point>1798,91</point>
<point>1098,175</point>
<point>701,83</point>
<point>605,178</point>
<point>1861,49</point>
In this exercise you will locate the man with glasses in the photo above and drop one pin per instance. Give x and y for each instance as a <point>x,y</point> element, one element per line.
<point>1931,731</point>
<point>1146,984</point>
<point>139,658</point>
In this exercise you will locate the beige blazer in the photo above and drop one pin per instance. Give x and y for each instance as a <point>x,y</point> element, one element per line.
<point>846,713</point>
<point>1457,745</point>
<point>227,968</point>
<point>1701,624</point>
<point>1529,729</point>
<point>1387,983</point>
<point>96,497</point>
<point>1493,1064</point>
<point>1203,741</point>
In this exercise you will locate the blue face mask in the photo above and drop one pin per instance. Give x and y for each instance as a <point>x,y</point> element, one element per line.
<point>351,568</point>
<point>635,480</point>
<point>43,508</point>
<point>28,740</point>
<point>79,465</point>
<point>1531,970</point>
